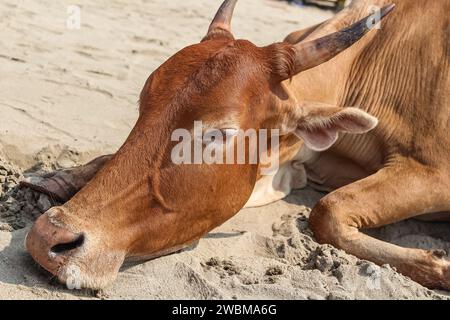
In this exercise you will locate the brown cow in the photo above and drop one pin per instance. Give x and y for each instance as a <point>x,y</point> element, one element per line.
<point>142,205</point>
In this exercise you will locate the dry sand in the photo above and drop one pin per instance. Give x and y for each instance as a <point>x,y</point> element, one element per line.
<point>69,95</point>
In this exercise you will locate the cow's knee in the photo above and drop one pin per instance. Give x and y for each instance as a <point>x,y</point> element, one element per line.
<point>329,223</point>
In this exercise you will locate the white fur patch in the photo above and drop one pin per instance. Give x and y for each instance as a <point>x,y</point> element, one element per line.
<point>268,189</point>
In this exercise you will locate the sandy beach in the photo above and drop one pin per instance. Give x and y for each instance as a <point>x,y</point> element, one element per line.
<point>67,96</point>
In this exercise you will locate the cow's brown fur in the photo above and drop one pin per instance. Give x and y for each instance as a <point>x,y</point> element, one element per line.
<point>397,171</point>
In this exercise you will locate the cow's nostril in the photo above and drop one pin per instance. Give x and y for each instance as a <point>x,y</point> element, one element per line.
<point>64,247</point>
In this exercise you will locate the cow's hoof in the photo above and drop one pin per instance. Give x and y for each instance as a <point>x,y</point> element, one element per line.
<point>446,280</point>
<point>439,277</point>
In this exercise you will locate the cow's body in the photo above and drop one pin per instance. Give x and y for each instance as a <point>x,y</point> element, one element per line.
<point>406,85</point>
<point>404,163</point>
<point>397,171</point>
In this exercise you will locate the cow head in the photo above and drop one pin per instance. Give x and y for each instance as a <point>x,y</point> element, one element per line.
<point>143,204</point>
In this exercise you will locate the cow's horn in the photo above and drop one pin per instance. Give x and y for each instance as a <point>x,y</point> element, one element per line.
<point>221,24</point>
<point>315,52</point>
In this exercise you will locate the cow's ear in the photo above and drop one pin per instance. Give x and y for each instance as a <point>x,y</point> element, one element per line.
<point>320,124</point>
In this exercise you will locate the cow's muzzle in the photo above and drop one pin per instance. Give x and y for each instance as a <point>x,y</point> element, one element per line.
<point>51,245</point>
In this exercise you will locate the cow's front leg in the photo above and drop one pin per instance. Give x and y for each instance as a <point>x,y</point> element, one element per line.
<point>62,185</point>
<point>395,193</point>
